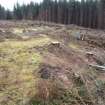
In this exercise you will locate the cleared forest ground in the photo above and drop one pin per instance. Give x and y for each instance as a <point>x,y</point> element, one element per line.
<point>51,64</point>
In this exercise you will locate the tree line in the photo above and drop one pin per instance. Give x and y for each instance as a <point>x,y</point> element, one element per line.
<point>87,13</point>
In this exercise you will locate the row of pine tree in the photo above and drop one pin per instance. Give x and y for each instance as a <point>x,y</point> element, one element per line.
<point>87,13</point>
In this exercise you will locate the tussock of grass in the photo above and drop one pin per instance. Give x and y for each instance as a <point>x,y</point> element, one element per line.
<point>74,46</point>
<point>17,30</point>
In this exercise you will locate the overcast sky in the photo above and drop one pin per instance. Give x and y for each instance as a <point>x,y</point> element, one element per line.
<point>8,4</point>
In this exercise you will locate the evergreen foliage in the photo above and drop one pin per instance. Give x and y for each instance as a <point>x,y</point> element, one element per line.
<point>87,13</point>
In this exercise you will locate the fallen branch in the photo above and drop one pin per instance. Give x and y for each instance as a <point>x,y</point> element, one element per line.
<point>98,67</point>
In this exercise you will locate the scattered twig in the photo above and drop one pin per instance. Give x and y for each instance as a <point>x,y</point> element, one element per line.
<point>98,67</point>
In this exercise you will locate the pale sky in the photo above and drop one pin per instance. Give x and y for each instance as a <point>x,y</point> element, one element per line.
<point>8,4</point>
